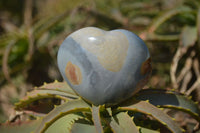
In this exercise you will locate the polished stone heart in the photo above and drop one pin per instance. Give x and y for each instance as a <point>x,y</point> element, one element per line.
<point>104,67</point>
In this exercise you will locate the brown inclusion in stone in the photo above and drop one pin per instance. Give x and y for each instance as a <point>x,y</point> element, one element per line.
<point>73,74</point>
<point>146,67</point>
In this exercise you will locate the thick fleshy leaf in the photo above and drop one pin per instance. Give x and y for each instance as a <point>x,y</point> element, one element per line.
<point>40,108</point>
<point>164,16</point>
<point>60,111</point>
<point>20,127</point>
<point>36,95</point>
<point>63,125</point>
<point>146,130</point>
<point>41,99</point>
<point>188,36</point>
<point>121,123</point>
<point>43,27</point>
<point>147,108</point>
<point>96,118</point>
<point>125,122</point>
<point>198,26</point>
<point>59,86</point>
<point>83,125</point>
<point>83,128</point>
<point>170,99</point>
<point>159,37</point>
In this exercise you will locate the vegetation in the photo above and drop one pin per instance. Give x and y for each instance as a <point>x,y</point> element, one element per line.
<point>31,33</point>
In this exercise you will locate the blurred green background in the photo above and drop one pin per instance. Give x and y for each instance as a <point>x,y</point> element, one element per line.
<point>32,30</point>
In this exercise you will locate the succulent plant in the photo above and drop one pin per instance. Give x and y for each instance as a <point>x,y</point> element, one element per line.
<point>104,67</point>
<point>74,115</point>
<point>88,103</point>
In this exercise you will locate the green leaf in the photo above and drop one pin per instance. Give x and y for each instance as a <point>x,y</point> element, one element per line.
<point>121,123</point>
<point>83,128</point>
<point>40,29</point>
<point>36,95</point>
<point>188,36</point>
<point>163,17</point>
<point>169,99</point>
<point>146,130</point>
<point>20,127</point>
<point>63,124</point>
<point>159,37</point>
<point>47,92</point>
<point>60,111</point>
<point>96,118</point>
<point>59,86</point>
<point>83,125</point>
<point>147,108</point>
<point>167,15</point>
<point>126,123</point>
<point>198,26</point>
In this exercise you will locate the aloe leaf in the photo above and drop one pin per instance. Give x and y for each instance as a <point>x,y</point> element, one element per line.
<point>20,127</point>
<point>121,122</point>
<point>125,122</point>
<point>146,130</point>
<point>39,108</point>
<point>83,125</point>
<point>115,127</point>
<point>63,124</point>
<point>188,36</point>
<point>83,128</point>
<point>159,37</point>
<point>36,93</point>
<point>147,108</point>
<point>60,111</point>
<point>198,26</point>
<point>59,86</point>
<point>170,99</point>
<point>43,98</point>
<point>40,102</point>
<point>96,118</point>
<point>167,15</point>
<point>103,18</point>
<point>49,24</point>
<point>88,116</point>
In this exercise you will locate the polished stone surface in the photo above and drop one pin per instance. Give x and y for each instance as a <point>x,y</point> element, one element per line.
<point>104,67</point>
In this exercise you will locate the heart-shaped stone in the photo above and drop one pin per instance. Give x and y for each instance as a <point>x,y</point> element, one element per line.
<point>104,67</point>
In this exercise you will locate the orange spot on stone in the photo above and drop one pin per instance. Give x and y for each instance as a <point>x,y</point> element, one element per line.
<point>146,67</point>
<point>73,73</point>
